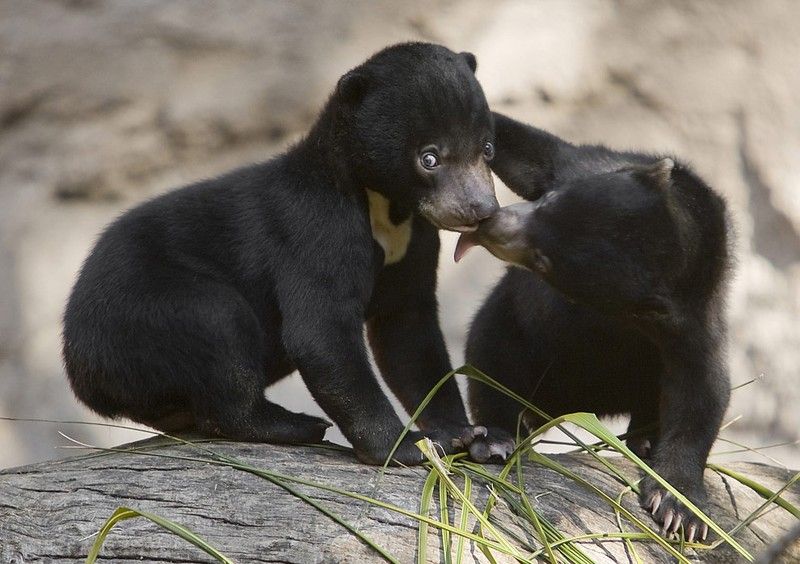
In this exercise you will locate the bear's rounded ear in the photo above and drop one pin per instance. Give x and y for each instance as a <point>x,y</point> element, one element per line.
<point>352,87</point>
<point>658,174</point>
<point>471,60</point>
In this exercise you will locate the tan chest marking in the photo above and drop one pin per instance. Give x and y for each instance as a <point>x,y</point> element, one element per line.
<point>392,238</point>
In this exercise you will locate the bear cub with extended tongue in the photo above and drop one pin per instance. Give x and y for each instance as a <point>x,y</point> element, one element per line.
<point>619,308</point>
<point>192,303</point>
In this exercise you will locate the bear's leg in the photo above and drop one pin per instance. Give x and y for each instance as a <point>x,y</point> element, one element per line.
<point>409,349</point>
<point>497,354</point>
<point>238,410</point>
<point>328,349</point>
<point>230,353</point>
<point>694,396</point>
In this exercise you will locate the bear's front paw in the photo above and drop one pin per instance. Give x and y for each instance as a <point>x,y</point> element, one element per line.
<point>307,428</point>
<point>456,438</point>
<point>495,447</point>
<point>449,439</point>
<point>484,444</point>
<point>670,513</point>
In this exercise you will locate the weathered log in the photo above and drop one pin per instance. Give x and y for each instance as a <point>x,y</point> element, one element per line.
<point>50,511</point>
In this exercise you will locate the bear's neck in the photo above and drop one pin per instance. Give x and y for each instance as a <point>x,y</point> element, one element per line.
<point>323,149</point>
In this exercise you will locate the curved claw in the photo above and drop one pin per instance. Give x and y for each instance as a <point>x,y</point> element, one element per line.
<point>471,433</point>
<point>468,436</point>
<point>668,517</point>
<point>655,502</point>
<point>676,524</point>
<point>691,531</point>
<point>502,450</point>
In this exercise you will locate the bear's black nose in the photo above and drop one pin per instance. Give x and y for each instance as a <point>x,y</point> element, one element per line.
<point>484,208</point>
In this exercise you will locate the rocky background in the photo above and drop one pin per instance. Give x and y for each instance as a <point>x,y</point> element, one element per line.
<point>105,103</point>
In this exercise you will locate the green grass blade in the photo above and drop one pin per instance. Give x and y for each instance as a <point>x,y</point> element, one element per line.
<point>420,408</point>
<point>444,517</point>
<point>627,541</point>
<point>544,530</point>
<point>464,522</point>
<point>742,385</point>
<point>532,515</point>
<point>757,450</point>
<point>761,509</point>
<point>598,536</point>
<point>534,518</point>
<point>761,490</point>
<point>424,509</point>
<point>123,513</point>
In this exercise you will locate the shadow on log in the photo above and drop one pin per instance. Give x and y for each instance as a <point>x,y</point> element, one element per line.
<point>50,511</point>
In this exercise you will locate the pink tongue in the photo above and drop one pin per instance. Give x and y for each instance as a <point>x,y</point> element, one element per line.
<point>465,243</point>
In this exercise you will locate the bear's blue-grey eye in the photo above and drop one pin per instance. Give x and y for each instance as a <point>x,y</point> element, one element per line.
<point>429,160</point>
<point>488,150</point>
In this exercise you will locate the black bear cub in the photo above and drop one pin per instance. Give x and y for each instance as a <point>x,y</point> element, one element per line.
<point>620,310</point>
<point>192,303</point>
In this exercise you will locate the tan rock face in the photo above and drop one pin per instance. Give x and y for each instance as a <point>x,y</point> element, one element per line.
<point>104,104</point>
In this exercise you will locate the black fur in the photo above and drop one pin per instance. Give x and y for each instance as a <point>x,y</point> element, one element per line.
<point>625,313</point>
<point>194,302</point>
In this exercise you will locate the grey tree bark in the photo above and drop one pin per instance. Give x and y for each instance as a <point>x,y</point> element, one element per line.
<point>50,511</point>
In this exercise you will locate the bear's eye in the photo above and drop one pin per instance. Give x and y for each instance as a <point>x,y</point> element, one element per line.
<point>429,160</point>
<point>488,150</point>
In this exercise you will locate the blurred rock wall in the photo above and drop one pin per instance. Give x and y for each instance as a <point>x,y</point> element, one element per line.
<point>105,103</point>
